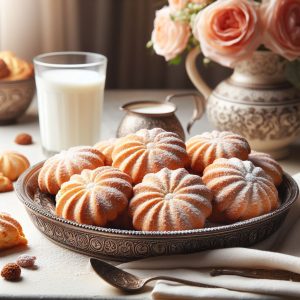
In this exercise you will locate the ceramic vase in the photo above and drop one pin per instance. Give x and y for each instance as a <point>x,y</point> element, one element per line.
<point>256,102</point>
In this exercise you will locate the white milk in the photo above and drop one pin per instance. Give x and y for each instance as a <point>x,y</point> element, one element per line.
<point>151,108</point>
<point>70,107</point>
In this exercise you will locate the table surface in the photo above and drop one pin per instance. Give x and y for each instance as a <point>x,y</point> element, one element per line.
<point>62,273</point>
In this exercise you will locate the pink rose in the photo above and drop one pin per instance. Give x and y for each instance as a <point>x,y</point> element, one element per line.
<point>281,19</point>
<point>177,5</point>
<point>169,37</point>
<point>228,31</point>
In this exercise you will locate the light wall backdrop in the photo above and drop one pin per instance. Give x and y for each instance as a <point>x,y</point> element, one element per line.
<point>118,29</point>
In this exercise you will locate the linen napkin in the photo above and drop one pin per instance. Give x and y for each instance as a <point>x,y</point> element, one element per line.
<point>283,253</point>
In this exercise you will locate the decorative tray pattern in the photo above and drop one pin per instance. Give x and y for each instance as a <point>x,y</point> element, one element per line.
<point>122,245</point>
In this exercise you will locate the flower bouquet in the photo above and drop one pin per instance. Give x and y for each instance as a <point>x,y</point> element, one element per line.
<point>229,31</point>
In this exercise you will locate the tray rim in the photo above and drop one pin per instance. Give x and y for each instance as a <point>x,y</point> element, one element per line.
<point>22,194</point>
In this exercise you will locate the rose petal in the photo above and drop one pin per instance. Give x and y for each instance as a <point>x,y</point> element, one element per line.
<point>281,19</point>
<point>228,31</point>
<point>169,37</point>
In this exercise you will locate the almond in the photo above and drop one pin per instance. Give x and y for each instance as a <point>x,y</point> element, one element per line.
<point>23,139</point>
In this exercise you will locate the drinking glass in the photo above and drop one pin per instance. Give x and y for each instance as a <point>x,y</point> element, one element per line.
<point>70,88</point>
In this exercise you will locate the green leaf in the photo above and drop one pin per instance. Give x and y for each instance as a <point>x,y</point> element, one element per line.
<point>175,61</point>
<point>292,72</point>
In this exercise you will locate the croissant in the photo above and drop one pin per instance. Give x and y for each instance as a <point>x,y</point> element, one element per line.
<point>11,232</point>
<point>18,69</point>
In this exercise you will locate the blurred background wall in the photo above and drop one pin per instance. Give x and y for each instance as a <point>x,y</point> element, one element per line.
<point>119,29</point>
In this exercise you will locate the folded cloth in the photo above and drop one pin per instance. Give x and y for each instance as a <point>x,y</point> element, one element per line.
<point>196,267</point>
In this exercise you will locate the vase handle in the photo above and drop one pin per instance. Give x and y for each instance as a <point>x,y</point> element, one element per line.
<point>199,106</point>
<point>194,75</point>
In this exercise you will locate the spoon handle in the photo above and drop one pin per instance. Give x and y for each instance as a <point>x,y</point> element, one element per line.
<point>258,273</point>
<point>179,280</point>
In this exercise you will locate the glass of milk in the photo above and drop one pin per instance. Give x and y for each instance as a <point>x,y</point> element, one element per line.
<point>70,88</point>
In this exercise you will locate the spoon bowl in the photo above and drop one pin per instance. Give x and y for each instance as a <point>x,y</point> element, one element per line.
<point>129,282</point>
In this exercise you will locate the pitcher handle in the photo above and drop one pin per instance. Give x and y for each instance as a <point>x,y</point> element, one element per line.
<point>199,106</point>
<point>193,73</point>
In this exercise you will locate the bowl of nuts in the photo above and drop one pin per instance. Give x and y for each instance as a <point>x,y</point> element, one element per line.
<point>17,87</point>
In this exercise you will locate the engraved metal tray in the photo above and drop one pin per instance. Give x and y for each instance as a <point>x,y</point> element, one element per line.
<point>122,245</point>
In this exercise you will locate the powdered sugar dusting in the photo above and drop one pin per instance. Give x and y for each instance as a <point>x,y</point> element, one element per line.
<point>59,168</point>
<point>242,191</point>
<point>156,149</point>
<point>185,201</point>
<point>268,164</point>
<point>99,200</point>
<point>218,145</point>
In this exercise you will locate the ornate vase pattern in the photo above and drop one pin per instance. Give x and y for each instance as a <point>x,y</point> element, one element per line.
<point>256,102</point>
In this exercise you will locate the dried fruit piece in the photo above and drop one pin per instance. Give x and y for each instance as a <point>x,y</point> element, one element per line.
<point>11,272</point>
<point>26,261</point>
<point>23,139</point>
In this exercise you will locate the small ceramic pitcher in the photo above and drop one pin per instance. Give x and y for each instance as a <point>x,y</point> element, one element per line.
<point>151,114</point>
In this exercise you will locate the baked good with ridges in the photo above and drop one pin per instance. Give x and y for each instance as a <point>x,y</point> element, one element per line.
<point>13,164</point>
<point>94,197</point>
<point>19,69</point>
<point>60,167</point>
<point>149,151</point>
<point>203,149</point>
<point>170,200</point>
<point>241,190</point>
<point>268,164</point>
<point>5,184</point>
<point>106,147</point>
<point>11,232</point>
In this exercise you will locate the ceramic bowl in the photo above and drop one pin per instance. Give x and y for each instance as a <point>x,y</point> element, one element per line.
<point>15,98</point>
<point>123,245</point>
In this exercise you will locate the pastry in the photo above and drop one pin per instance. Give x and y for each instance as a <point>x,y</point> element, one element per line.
<point>95,196</point>
<point>4,71</point>
<point>268,164</point>
<point>60,167</point>
<point>18,69</point>
<point>205,148</point>
<point>149,151</point>
<point>241,190</point>
<point>170,200</point>
<point>13,164</point>
<point>5,184</point>
<point>11,232</point>
<point>106,147</point>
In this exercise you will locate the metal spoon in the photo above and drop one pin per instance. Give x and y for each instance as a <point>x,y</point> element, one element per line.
<point>129,282</point>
